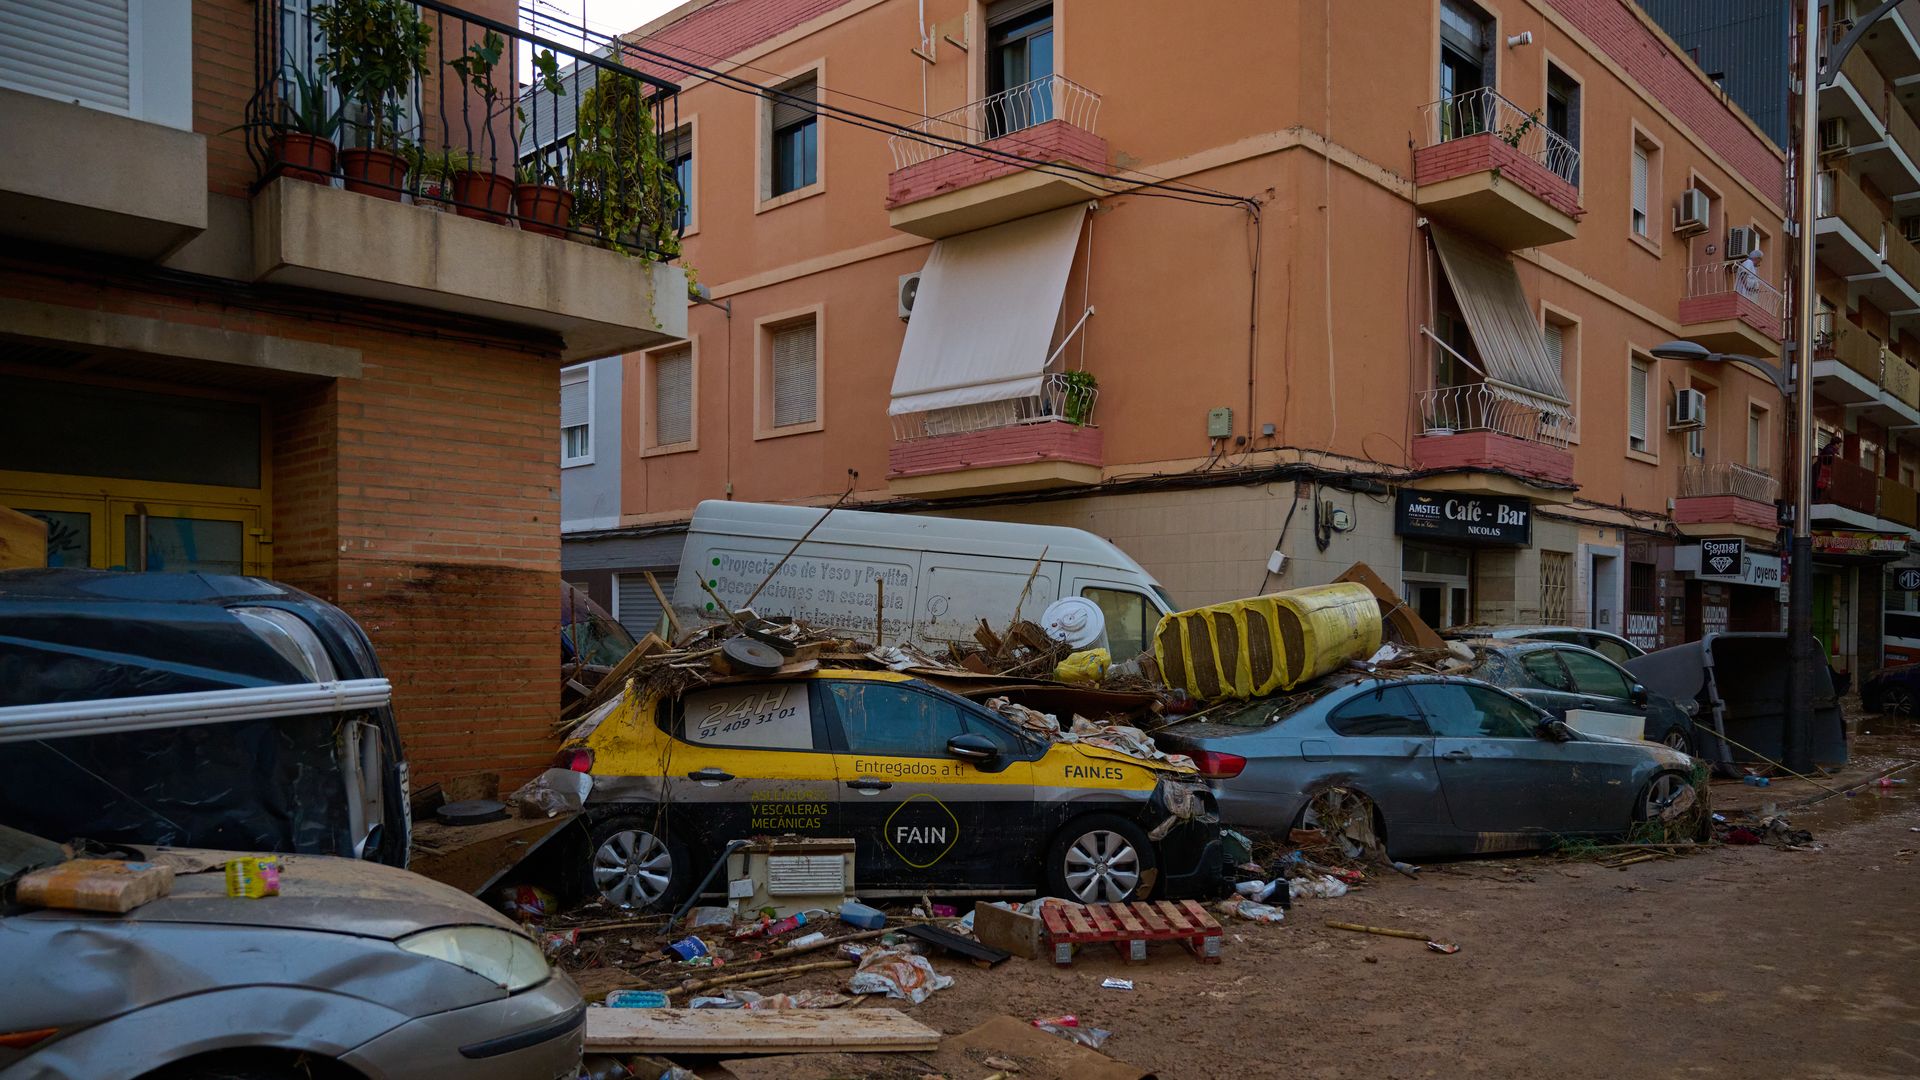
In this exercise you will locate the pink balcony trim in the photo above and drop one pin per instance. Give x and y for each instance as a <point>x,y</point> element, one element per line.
<point>1723,510</point>
<point>1489,450</point>
<point>1484,153</point>
<point>1055,140</point>
<point>1695,310</point>
<point>1022,444</point>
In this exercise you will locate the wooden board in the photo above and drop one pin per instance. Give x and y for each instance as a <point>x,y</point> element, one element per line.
<point>472,857</point>
<point>23,540</point>
<point>1130,926</point>
<point>746,1031</point>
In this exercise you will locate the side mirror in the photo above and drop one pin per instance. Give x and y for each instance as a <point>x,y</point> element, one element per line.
<point>1637,695</point>
<point>972,747</point>
<point>1555,729</point>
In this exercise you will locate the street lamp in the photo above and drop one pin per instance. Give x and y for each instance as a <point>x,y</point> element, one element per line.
<point>1694,352</point>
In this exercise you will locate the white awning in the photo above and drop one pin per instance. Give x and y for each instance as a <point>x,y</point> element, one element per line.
<point>1513,351</point>
<point>985,313</point>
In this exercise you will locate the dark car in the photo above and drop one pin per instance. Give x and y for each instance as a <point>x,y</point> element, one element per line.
<point>195,710</point>
<point>1612,646</point>
<point>1431,765</point>
<point>1567,678</point>
<point>1893,690</point>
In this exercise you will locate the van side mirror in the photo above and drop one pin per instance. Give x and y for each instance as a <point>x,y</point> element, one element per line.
<point>969,746</point>
<point>1637,695</point>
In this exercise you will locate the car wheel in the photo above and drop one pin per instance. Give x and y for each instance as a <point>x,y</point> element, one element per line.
<point>1677,738</point>
<point>1896,701</point>
<point>1348,819</point>
<point>1658,795</point>
<point>632,864</point>
<point>1099,859</point>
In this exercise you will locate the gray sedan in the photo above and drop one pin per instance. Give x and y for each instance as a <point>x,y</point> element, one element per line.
<point>1437,765</point>
<point>354,970</point>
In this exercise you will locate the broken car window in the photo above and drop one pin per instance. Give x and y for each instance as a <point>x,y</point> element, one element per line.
<point>1388,710</point>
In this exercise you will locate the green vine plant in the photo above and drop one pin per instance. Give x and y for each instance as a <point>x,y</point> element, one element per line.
<point>1078,405</point>
<point>622,187</point>
<point>375,49</point>
<point>1513,133</point>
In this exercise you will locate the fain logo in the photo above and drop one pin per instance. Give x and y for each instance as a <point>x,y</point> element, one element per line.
<point>921,831</point>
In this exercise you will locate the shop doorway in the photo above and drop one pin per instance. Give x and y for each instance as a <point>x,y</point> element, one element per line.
<point>1603,589</point>
<point>1438,583</point>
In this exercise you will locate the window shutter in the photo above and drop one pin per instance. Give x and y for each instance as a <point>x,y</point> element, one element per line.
<point>795,392</point>
<point>573,399</point>
<point>73,50</point>
<point>634,606</point>
<point>1637,404</point>
<point>677,145</point>
<point>1555,343</point>
<point>673,397</point>
<point>787,111</point>
<point>1640,178</point>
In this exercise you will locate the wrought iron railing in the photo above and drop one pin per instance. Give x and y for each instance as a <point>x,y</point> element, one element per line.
<point>1728,478</point>
<point>1485,112</point>
<point>1062,398</point>
<point>1729,278</point>
<point>1054,97</point>
<point>454,111</point>
<point>1450,410</point>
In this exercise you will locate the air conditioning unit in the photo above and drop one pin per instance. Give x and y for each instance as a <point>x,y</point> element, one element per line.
<point>1910,228</point>
<point>1689,410</point>
<point>1741,241</point>
<point>1833,135</point>
<point>909,288</point>
<point>1690,217</point>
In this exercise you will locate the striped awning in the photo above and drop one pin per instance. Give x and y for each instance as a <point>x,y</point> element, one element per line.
<point>1506,333</point>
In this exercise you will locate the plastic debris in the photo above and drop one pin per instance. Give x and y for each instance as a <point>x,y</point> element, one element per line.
<point>1076,622</point>
<point>702,917</point>
<point>1252,911</point>
<point>854,913</point>
<point>1084,668</point>
<point>253,877</point>
<point>555,941</point>
<point>527,902</point>
<point>687,948</point>
<point>1117,984</point>
<point>636,999</point>
<point>1324,886</point>
<point>1068,1027</point>
<point>897,973</point>
<point>1443,947</point>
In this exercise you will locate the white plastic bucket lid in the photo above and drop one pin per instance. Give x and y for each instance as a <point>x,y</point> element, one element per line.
<point>1077,621</point>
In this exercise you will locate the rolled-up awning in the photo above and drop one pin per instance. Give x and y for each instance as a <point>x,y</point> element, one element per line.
<point>985,313</point>
<point>1505,331</point>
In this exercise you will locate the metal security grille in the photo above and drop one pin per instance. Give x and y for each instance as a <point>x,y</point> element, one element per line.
<point>795,390</point>
<point>634,604</point>
<point>673,397</point>
<point>1556,590</point>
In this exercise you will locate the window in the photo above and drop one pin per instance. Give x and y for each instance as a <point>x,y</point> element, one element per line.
<point>795,374</point>
<point>1640,589</point>
<point>891,720</point>
<point>1556,336</point>
<point>796,136</point>
<point>1381,711</point>
<point>1019,54</point>
<point>576,416</point>
<point>1556,587</point>
<point>1757,455</point>
<point>1697,437</point>
<point>1131,620</point>
<point>1642,167</point>
<point>774,716</point>
<point>1459,711</point>
<point>1639,374</point>
<point>1544,668</point>
<point>672,414</point>
<point>1592,675</point>
<point>677,151</point>
<point>1466,67</point>
<point>1563,120</point>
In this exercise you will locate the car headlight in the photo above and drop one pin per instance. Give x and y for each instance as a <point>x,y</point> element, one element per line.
<point>500,956</point>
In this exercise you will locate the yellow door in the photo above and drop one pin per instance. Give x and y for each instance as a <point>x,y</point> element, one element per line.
<point>207,538</point>
<point>76,527</point>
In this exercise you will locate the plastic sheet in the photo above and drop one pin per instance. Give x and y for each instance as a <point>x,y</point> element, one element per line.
<point>1249,648</point>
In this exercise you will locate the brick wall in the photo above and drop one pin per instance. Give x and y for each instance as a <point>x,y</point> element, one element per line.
<point>727,27</point>
<point>1483,153</point>
<point>1490,450</point>
<point>1705,309</point>
<point>1055,140</point>
<point>222,82</point>
<point>1053,440</point>
<point>1724,509</point>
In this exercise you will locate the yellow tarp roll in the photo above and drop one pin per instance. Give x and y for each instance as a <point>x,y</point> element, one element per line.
<point>1246,648</point>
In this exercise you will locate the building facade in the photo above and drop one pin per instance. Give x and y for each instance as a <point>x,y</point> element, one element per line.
<point>216,358</point>
<point>1256,296</point>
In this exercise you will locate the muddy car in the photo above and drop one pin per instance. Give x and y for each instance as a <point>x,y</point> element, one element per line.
<point>939,793</point>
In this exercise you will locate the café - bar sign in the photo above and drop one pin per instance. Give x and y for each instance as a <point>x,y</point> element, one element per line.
<point>1482,519</point>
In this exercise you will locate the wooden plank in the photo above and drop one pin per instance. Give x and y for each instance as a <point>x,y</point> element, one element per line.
<point>1102,920</point>
<point>1406,622</point>
<point>23,540</point>
<point>1129,919</point>
<point>666,605</point>
<point>1174,916</point>
<point>1200,916</point>
<point>1156,920</point>
<point>738,1031</point>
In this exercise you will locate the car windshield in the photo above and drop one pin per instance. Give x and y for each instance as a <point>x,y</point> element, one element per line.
<point>21,852</point>
<point>1260,712</point>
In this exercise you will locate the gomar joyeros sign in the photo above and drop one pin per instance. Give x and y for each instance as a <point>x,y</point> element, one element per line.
<point>1722,558</point>
<point>1485,519</point>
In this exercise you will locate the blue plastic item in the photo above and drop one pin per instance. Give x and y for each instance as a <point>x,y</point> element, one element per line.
<point>857,914</point>
<point>1756,781</point>
<point>637,999</point>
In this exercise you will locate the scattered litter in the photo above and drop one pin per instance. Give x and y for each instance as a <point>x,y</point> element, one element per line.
<point>687,948</point>
<point>1085,668</point>
<point>1324,886</point>
<point>555,941</point>
<point>809,939</point>
<point>252,877</point>
<point>1253,911</point>
<point>1076,622</point>
<point>897,973</point>
<point>1756,781</point>
<point>95,885</point>
<point>1117,984</point>
<point>637,999</point>
<point>854,913</point>
<point>527,903</point>
<point>1443,947</point>
<point>1068,1027</point>
<point>552,793</point>
<point>701,917</point>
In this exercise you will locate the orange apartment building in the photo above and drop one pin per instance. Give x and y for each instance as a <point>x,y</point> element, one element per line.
<point>208,364</point>
<point>1372,281</point>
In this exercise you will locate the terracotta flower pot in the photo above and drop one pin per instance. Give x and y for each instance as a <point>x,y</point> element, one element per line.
<point>374,172</point>
<point>484,195</point>
<point>543,208</point>
<point>303,157</point>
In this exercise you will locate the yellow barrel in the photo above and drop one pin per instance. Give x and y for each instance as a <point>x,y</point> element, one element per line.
<point>1247,648</point>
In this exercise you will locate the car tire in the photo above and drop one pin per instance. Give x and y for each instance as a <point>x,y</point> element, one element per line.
<point>1101,858</point>
<point>1677,738</point>
<point>1895,701</point>
<point>631,863</point>
<point>1660,789</point>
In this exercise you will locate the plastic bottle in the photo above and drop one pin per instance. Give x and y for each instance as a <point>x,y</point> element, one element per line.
<point>1756,781</point>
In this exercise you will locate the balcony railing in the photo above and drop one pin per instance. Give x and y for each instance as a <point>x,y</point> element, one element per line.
<point>1485,112</point>
<point>1847,484</point>
<point>1837,195</point>
<point>1472,407</point>
<point>454,129</point>
<point>1841,340</point>
<point>1899,379</point>
<point>1054,97</point>
<point>1061,398</point>
<point>1724,279</point>
<point>1898,502</point>
<point>1872,86</point>
<point>1728,478</point>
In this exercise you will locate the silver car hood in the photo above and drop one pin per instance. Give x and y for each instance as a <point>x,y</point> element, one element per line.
<point>317,892</point>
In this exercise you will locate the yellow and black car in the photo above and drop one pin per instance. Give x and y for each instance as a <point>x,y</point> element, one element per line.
<point>940,794</point>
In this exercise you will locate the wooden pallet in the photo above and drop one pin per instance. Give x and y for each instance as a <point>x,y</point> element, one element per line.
<point>1130,926</point>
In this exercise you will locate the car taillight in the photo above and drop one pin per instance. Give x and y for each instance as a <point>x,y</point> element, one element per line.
<point>1218,766</point>
<point>578,759</point>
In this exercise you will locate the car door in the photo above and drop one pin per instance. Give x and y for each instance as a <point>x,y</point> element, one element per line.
<point>1603,687</point>
<point>919,815</point>
<point>1384,745</point>
<point>751,759</point>
<point>1545,682</point>
<point>1502,778</point>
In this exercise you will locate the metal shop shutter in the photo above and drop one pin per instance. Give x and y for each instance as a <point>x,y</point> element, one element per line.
<point>72,50</point>
<point>633,602</point>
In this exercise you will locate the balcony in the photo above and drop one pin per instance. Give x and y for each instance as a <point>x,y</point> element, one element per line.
<point>1898,503</point>
<point>1853,369</point>
<point>1847,492</point>
<point>1858,95</point>
<point>1846,235</point>
<point>1492,169</point>
<point>1729,312</point>
<point>1727,498</point>
<point>947,178</point>
<point>1892,46</point>
<point>1888,152</point>
<point>426,199</point>
<point>1473,429</point>
<point>1043,441</point>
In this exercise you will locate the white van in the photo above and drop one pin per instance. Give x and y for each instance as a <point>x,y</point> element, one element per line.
<point>939,576</point>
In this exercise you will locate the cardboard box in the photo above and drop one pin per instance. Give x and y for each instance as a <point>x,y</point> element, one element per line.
<point>109,885</point>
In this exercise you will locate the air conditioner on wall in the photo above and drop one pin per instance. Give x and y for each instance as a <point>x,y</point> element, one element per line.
<point>1833,135</point>
<point>1689,410</point>
<point>1740,241</point>
<point>909,288</point>
<point>1690,217</point>
<point>1910,228</point>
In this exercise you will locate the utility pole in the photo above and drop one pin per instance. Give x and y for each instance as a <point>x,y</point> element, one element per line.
<point>1795,747</point>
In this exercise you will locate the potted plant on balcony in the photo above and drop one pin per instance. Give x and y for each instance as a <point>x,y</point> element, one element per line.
<point>302,145</point>
<point>374,50</point>
<point>433,175</point>
<point>622,187</point>
<point>481,192</point>
<point>1078,395</point>
<point>543,202</point>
